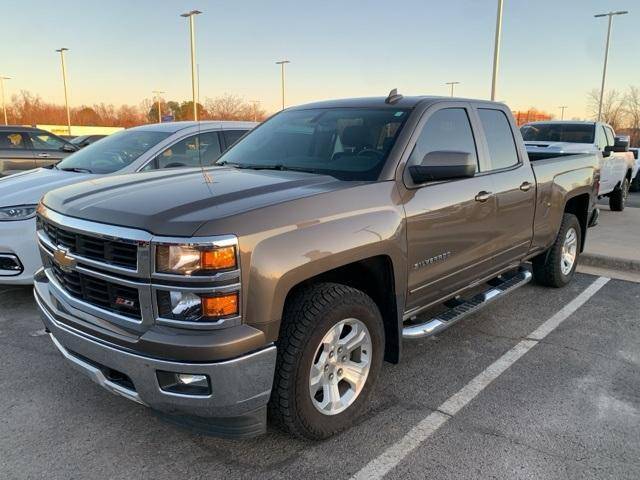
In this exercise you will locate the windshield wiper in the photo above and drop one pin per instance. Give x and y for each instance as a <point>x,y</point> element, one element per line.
<point>75,169</point>
<point>280,167</point>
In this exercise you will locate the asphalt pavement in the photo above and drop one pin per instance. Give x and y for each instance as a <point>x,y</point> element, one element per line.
<point>568,408</point>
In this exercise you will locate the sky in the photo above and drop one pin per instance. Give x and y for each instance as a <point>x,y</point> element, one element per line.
<point>552,50</point>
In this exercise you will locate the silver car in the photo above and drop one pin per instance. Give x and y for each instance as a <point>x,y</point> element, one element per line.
<point>150,147</point>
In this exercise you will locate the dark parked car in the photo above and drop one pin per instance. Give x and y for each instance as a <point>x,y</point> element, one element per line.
<point>24,148</point>
<point>84,140</point>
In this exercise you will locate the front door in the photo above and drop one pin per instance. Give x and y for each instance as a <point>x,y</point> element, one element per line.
<point>450,224</point>
<point>47,148</point>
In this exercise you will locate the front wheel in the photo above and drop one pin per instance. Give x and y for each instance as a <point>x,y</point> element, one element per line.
<point>557,266</point>
<point>618,198</point>
<point>330,353</point>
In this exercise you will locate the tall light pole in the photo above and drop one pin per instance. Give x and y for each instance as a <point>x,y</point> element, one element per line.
<point>64,81</point>
<point>4,105</point>
<point>452,85</point>
<point>157,94</point>
<point>496,51</point>
<point>606,54</point>
<point>190,16</point>
<point>562,109</point>
<point>282,63</point>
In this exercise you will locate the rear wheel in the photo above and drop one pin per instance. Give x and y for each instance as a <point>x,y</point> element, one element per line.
<point>618,198</point>
<point>330,353</point>
<point>557,266</point>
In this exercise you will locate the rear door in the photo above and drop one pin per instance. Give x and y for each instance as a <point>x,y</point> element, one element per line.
<point>15,152</point>
<point>514,186</point>
<point>48,149</point>
<point>450,224</point>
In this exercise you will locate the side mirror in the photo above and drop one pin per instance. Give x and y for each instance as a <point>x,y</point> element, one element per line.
<point>443,165</point>
<point>67,147</point>
<point>621,144</point>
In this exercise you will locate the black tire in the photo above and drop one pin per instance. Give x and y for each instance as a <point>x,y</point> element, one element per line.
<point>635,184</point>
<point>307,318</point>
<point>547,268</point>
<point>618,198</point>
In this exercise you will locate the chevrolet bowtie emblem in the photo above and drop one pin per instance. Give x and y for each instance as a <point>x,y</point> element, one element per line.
<point>62,258</point>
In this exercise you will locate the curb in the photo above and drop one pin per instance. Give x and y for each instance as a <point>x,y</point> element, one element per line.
<point>613,263</point>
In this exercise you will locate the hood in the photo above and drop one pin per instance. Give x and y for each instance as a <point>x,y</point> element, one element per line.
<point>27,188</point>
<point>178,202</point>
<point>560,147</point>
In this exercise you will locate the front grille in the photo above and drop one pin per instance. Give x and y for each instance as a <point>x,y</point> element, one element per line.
<point>111,252</point>
<point>109,296</point>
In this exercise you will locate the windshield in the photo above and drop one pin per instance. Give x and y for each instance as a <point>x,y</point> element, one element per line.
<point>113,152</point>
<point>347,143</point>
<point>558,132</point>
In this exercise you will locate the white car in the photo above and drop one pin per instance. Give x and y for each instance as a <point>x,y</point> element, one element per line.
<point>635,176</point>
<point>571,137</point>
<point>149,147</point>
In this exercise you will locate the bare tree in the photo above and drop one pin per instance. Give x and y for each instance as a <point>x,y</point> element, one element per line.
<point>632,109</point>
<point>233,107</point>
<point>612,107</point>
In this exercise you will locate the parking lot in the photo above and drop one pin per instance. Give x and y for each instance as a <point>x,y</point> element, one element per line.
<point>568,408</point>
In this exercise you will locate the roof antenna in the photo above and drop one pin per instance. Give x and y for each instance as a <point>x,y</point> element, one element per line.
<point>393,96</point>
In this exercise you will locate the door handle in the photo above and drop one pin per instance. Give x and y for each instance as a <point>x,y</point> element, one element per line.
<point>483,196</point>
<point>44,155</point>
<point>526,186</point>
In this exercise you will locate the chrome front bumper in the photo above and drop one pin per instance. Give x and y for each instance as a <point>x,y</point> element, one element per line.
<point>241,387</point>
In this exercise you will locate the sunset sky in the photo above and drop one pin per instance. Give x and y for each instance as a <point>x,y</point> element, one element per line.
<point>120,51</point>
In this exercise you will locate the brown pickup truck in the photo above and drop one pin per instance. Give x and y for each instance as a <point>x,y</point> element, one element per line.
<point>279,281</point>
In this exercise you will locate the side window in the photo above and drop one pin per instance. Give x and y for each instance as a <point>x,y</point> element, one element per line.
<point>502,146</point>
<point>46,141</point>
<point>195,151</point>
<point>447,129</point>
<point>601,138</point>
<point>13,140</point>
<point>232,136</point>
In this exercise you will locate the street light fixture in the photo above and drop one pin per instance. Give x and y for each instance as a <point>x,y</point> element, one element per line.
<point>64,82</point>
<point>562,109</point>
<point>157,94</point>
<point>4,105</point>
<point>190,16</point>
<point>606,54</point>
<point>452,85</point>
<point>282,63</point>
<point>496,51</point>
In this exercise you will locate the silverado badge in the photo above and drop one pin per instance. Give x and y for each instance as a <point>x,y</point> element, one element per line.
<point>62,258</point>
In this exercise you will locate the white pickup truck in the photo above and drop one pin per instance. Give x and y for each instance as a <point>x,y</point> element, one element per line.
<point>557,138</point>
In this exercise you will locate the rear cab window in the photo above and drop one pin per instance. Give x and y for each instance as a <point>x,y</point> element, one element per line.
<point>14,141</point>
<point>500,141</point>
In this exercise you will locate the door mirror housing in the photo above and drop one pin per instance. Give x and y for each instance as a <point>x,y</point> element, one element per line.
<point>67,147</point>
<point>443,165</point>
<point>621,144</point>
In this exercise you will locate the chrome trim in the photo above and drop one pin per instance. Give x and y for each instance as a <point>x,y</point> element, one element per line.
<point>16,260</point>
<point>217,241</point>
<point>222,323</point>
<point>66,299</point>
<point>95,373</point>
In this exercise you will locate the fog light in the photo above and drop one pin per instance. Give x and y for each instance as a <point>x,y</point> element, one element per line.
<point>184,383</point>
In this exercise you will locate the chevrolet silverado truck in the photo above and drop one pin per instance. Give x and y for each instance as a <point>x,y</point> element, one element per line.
<point>561,138</point>
<point>275,284</point>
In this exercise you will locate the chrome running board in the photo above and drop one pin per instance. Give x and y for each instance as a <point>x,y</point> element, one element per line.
<point>500,286</point>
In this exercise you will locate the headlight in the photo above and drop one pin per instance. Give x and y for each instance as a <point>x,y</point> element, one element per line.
<point>18,212</point>
<point>194,260</point>
<point>192,307</point>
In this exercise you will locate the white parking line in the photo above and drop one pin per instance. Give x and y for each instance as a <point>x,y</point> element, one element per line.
<point>392,456</point>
